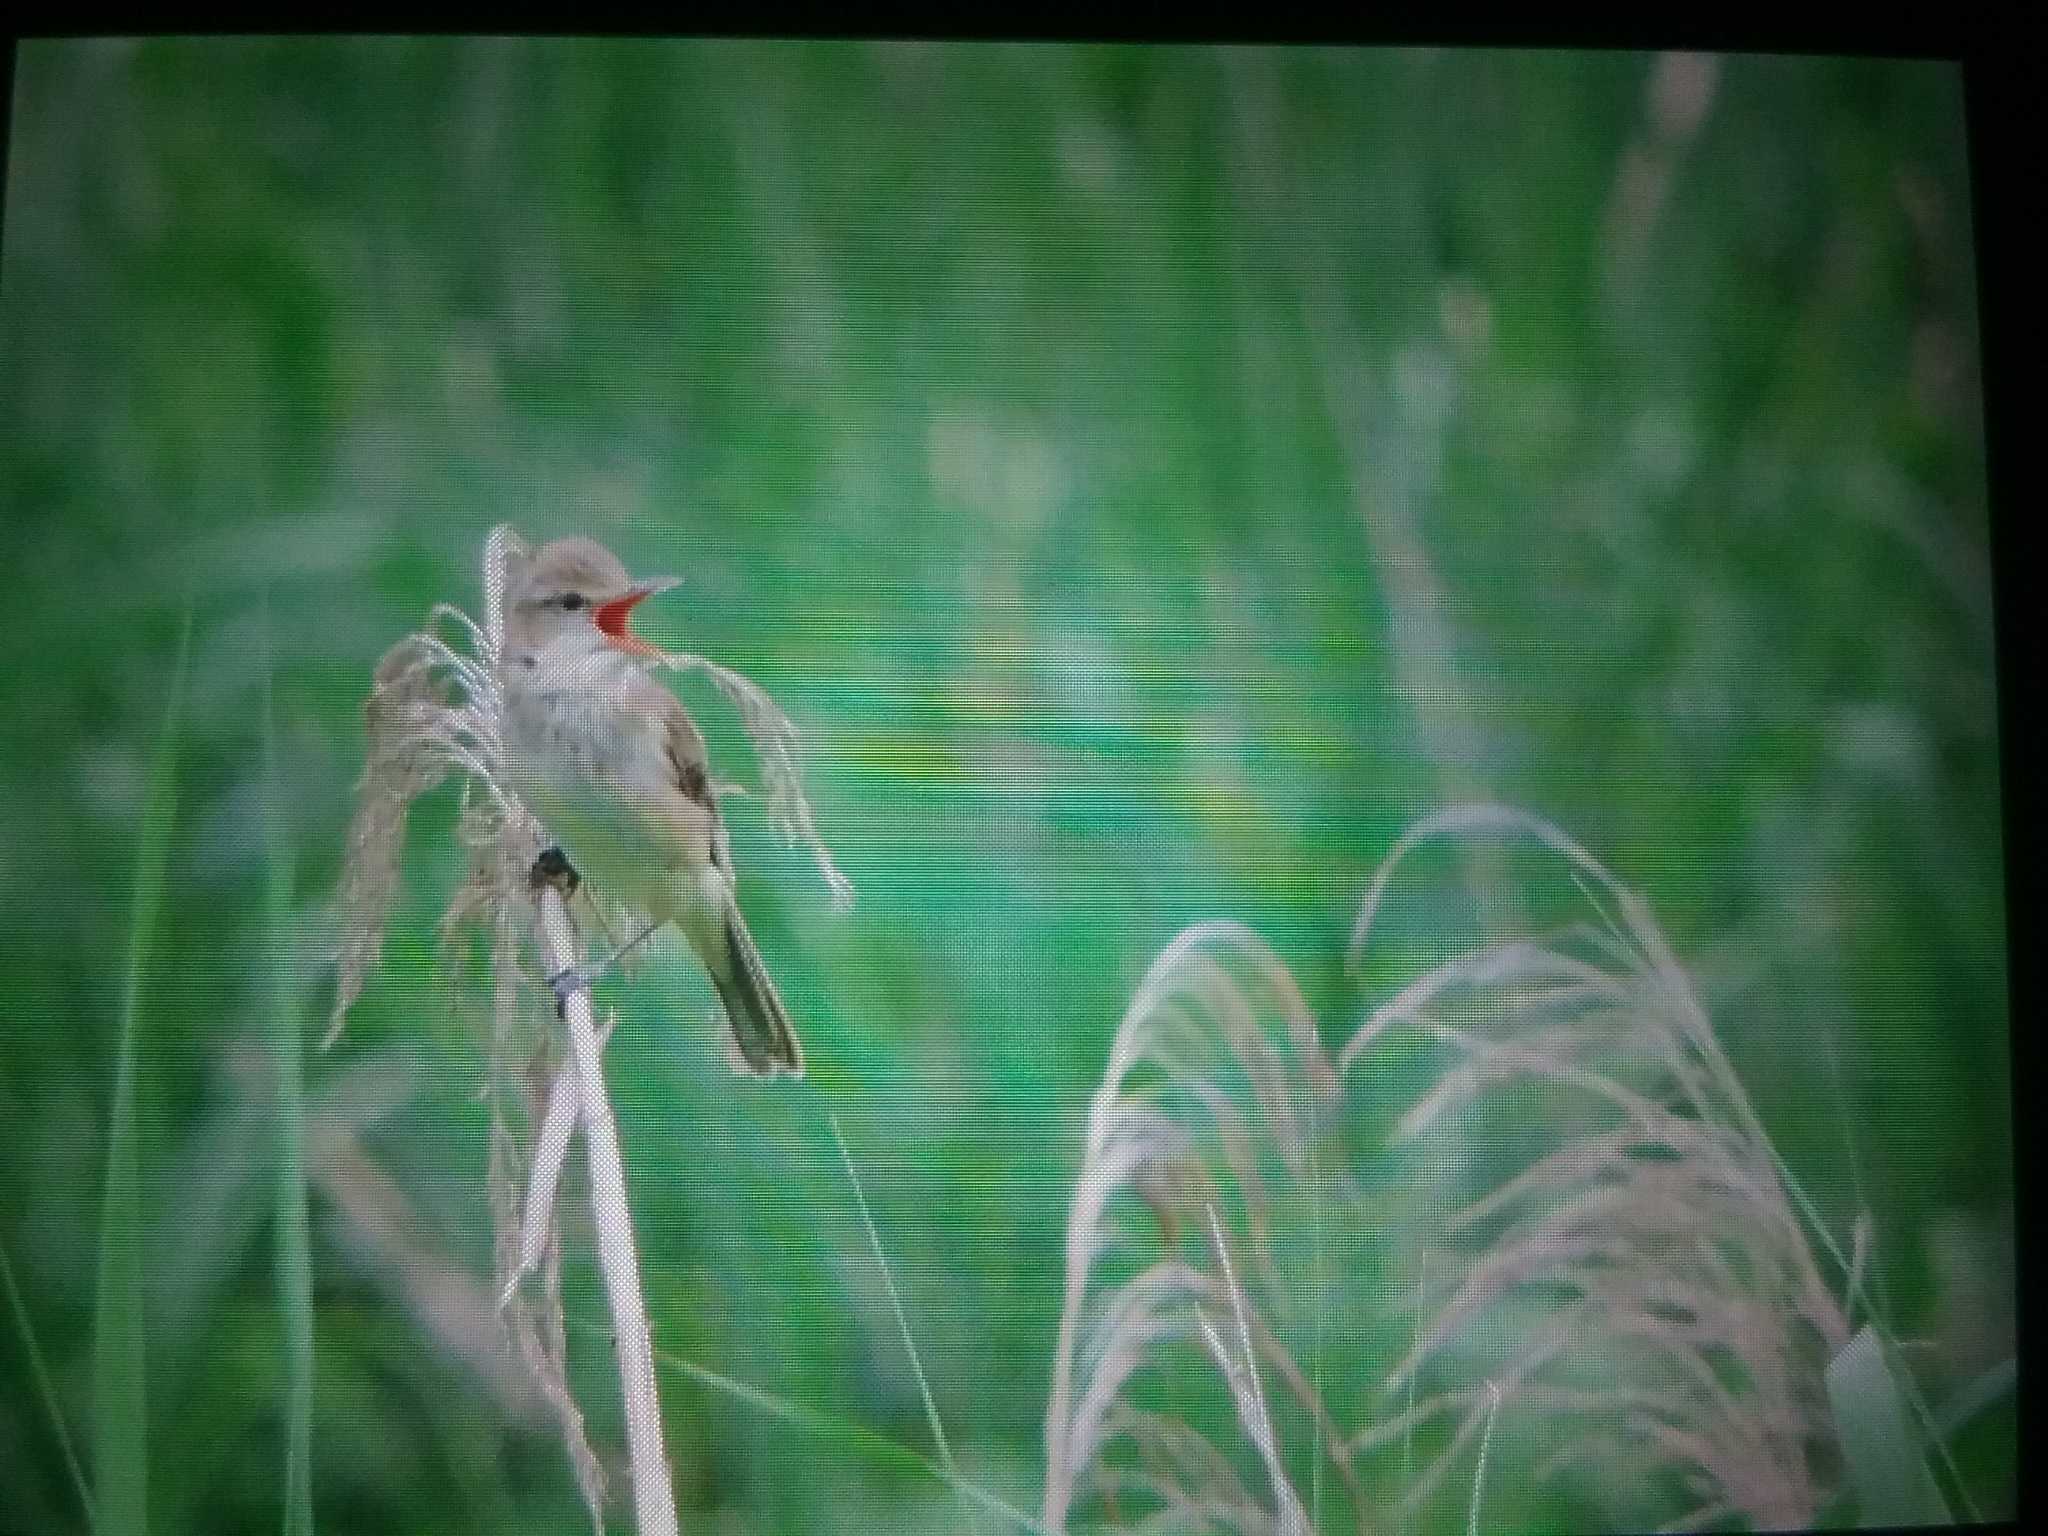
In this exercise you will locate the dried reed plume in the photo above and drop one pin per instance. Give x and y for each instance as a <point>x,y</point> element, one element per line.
<point>1628,1291</point>
<point>435,710</point>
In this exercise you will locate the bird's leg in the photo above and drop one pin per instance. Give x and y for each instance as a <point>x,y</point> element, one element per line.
<point>570,980</point>
<point>553,868</point>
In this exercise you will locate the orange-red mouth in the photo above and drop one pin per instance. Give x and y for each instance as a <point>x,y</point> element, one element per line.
<point>611,618</point>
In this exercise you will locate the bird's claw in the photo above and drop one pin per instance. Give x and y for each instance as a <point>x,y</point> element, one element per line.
<point>553,868</point>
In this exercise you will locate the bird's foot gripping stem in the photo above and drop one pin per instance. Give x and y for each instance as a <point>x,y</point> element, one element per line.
<point>553,868</point>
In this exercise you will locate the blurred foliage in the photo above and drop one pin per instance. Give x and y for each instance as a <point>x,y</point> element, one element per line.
<point>1150,477</point>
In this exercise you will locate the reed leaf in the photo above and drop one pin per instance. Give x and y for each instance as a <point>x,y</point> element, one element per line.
<point>120,1334</point>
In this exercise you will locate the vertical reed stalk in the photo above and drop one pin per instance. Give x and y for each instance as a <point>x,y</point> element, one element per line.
<point>654,1503</point>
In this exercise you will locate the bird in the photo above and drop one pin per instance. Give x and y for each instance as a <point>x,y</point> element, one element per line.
<point>617,772</point>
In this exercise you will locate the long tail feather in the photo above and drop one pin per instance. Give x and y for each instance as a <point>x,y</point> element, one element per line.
<point>760,1024</point>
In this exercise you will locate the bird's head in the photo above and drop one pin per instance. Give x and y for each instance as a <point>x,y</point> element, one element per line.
<point>571,600</point>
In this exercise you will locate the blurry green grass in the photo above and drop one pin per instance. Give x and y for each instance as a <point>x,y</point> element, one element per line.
<point>121,1441</point>
<point>1887,1468</point>
<point>994,442</point>
<point>294,1263</point>
<point>46,1392</point>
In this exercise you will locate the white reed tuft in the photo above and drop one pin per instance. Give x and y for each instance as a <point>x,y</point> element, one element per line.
<point>1637,1273</point>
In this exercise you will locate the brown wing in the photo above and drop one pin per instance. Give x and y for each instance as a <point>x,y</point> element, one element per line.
<point>690,769</point>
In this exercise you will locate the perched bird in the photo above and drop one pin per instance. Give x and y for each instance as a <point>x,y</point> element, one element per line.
<point>616,770</point>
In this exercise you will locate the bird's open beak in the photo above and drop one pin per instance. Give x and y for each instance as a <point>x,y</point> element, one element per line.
<point>611,617</point>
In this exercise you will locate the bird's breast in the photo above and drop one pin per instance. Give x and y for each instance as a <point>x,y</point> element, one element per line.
<point>566,736</point>
<point>588,766</point>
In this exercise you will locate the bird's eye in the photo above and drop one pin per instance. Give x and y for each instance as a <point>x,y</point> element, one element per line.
<point>572,600</point>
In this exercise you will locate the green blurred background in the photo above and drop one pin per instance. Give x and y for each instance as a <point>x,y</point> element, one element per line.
<point>1151,478</point>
